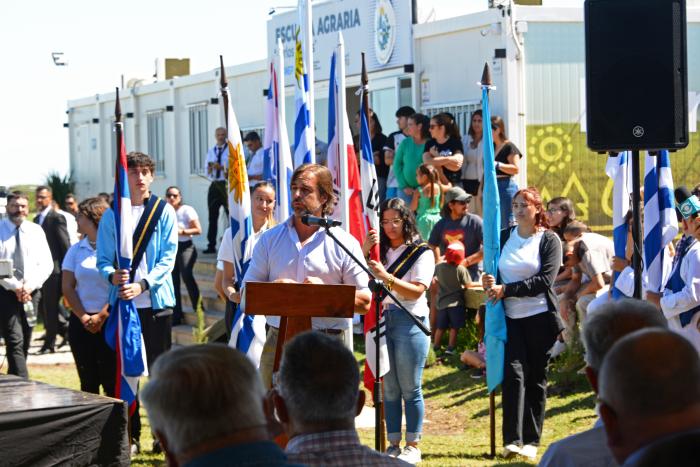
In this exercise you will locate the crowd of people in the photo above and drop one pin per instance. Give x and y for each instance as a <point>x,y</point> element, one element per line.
<point>555,279</point>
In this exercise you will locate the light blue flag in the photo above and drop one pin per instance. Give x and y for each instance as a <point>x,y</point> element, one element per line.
<point>495,335</point>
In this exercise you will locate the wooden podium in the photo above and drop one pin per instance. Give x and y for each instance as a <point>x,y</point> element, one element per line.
<point>296,304</point>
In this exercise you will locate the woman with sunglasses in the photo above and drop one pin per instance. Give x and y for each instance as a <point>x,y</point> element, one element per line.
<point>507,166</point>
<point>187,226</point>
<point>529,261</point>
<point>444,151</point>
<point>407,269</point>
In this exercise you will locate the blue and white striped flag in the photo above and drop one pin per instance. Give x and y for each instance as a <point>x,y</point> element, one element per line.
<point>660,224</point>
<point>278,157</point>
<point>304,140</point>
<point>618,168</point>
<point>248,333</point>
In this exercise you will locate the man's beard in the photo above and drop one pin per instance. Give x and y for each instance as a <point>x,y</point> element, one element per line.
<point>17,218</point>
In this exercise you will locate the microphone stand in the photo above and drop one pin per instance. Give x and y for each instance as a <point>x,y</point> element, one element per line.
<point>378,289</point>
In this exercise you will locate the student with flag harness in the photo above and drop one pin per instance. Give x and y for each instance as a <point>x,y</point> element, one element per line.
<point>680,302</point>
<point>406,268</point>
<point>149,282</point>
<point>529,262</point>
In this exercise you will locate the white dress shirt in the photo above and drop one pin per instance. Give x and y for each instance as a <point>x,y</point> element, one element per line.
<point>212,158</point>
<point>280,255</point>
<point>71,226</point>
<point>38,263</point>
<point>673,304</point>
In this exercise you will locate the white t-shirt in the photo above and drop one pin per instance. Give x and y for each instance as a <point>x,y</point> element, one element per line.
<point>422,272</point>
<point>225,252</point>
<point>185,215</point>
<point>520,259</point>
<point>92,289</point>
<point>143,300</point>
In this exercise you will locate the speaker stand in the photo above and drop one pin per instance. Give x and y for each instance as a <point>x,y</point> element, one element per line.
<point>636,226</point>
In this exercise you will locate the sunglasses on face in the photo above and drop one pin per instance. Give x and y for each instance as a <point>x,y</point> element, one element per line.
<point>172,195</point>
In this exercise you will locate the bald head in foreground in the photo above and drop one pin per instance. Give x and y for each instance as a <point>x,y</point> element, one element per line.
<point>649,391</point>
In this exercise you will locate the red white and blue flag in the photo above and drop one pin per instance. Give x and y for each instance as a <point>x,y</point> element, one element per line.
<point>348,189</point>
<point>123,327</point>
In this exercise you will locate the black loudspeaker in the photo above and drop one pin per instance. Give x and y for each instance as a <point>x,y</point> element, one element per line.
<point>636,74</point>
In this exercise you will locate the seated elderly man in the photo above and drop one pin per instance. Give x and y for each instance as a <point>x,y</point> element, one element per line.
<point>649,393</point>
<point>317,400</point>
<point>205,404</point>
<point>601,330</point>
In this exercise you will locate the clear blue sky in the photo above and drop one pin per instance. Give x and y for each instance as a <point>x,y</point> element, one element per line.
<point>103,40</point>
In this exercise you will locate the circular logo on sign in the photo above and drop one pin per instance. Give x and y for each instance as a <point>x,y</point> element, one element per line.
<point>638,131</point>
<point>686,209</point>
<point>384,31</point>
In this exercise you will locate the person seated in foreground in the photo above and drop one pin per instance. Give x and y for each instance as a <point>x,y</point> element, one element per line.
<point>317,400</point>
<point>649,390</point>
<point>601,330</point>
<point>205,405</point>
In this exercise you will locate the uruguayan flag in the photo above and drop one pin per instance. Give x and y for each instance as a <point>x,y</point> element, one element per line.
<point>304,141</point>
<point>618,168</point>
<point>660,224</point>
<point>248,333</point>
<point>278,157</point>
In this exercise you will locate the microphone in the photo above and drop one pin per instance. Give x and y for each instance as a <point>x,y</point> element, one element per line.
<point>308,219</point>
<point>687,203</point>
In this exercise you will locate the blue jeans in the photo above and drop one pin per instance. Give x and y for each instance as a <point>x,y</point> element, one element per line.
<point>507,189</point>
<point>408,349</point>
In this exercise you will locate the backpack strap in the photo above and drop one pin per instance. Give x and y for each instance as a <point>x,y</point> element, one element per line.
<point>144,230</point>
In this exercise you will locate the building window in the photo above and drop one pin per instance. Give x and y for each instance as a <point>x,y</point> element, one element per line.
<point>462,112</point>
<point>198,138</point>
<point>156,140</point>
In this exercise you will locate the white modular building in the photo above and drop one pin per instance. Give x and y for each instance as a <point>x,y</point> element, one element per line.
<point>537,58</point>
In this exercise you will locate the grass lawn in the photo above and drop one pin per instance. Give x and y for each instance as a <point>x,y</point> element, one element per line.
<point>456,431</point>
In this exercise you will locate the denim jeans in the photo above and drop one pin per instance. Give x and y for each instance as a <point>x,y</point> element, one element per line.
<point>408,349</point>
<point>507,188</point>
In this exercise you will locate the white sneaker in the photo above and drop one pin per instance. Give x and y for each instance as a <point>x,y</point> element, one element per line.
<point>529,451</point>
<point>393,451</point>
<point>410,454</point>
<point>510,450</point>
<point>557,348</point>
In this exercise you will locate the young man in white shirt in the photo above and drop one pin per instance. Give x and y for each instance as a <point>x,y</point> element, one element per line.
<point>293,252</point>
<point>256,163</point>
<point>25,244</point>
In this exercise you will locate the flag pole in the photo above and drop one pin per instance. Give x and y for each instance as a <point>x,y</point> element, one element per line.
<point>224,89</point>
<point>283,195</point>
<point>486,84</point>
<point>309,42</point>
<point>341,115</point>
<point>378,389</point>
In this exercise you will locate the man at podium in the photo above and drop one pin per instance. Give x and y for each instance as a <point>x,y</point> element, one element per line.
<point>293,252</point>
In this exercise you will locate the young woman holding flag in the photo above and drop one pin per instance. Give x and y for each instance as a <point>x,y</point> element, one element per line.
<point>407,270</point>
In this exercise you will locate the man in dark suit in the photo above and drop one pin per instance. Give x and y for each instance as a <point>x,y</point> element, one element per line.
<point>54,225</point>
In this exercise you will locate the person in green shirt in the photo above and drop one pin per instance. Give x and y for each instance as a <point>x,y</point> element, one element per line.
<point>409,155</point>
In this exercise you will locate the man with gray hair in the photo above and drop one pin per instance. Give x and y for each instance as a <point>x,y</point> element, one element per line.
<point>317,400</point>
<point>205,406</point>
<point>601,330</point>
<point>650,394</point>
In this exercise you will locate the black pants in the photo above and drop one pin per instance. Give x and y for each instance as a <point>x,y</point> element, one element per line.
<point>184,267</point>
<point>16,331</point>
<point>216,199</point>
<point>157,338</point>
<point>525,377</point>
<point>54,320</point>
<point>95,361</point>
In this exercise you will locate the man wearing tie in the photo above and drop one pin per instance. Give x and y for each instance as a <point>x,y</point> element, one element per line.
<point>25,244</point>
<point>217,166</point>
<point>56,230</point>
